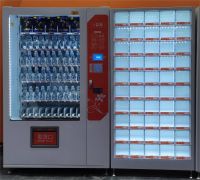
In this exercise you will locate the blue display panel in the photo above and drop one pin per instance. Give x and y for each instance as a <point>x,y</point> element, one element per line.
<point>97,57</point>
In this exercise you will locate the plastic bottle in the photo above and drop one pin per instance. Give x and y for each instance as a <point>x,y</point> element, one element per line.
<point>54,93</point>
<point>43,93</point>
<point>37,93</point>
<point>48,93</point>
<point>60,93</point>
<point>42,74</point>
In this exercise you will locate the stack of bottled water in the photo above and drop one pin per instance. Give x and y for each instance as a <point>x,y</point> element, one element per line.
<point>51,112</point>
<point>50,75</point>
<point>51,93</point>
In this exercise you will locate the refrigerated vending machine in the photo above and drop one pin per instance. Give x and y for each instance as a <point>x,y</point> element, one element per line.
<point>56,87</point>
<point>152,104</point>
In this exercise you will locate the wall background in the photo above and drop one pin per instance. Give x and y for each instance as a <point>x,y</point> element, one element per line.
<point>82,3</point>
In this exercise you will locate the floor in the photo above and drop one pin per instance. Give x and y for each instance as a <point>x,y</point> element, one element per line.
<point>88,174</point>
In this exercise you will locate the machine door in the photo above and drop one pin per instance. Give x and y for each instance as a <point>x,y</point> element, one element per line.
<point>153,92</point>
<point>44,87</point>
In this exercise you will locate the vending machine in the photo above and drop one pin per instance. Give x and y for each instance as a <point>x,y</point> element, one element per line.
<point>55,88</point>
<point>152,85</point>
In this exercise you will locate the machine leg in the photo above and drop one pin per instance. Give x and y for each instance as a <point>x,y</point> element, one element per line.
<point>198,177</point>
<point>106,172</point>
<point>9,171</point>
<point>113,174</point>
<point>191,175</point>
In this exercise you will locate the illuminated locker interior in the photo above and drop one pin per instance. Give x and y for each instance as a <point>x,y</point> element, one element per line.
<point>152,84</point>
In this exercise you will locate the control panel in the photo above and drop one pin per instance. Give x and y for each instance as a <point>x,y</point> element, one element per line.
<point>98,80</point>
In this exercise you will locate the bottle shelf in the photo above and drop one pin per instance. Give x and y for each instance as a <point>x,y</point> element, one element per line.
<point>45,82</point>
<point>50,101</point>
<point>51,117</point>
<point>48,49</point>
<point>50,33</point>
<point>50,65</point>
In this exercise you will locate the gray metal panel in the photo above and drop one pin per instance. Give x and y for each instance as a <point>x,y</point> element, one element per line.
<point>197,168</point>
<point>98,132</point>
<point>154,164</point>
<point>72,148</point>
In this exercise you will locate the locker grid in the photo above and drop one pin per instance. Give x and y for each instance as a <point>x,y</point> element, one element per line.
<point>152,84</point>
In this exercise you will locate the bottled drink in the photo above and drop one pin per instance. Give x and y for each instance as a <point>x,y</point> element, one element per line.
<point>49,59</point>
<point>23,73</point>
<point>42,58</point>
<point>66,93</point>
<point>31,93</point>
<point>54,74</point>
<point>78,74</point>
<point>78,93</point>
<point>54,58</point>
<point>42,112</point>
<point>73,94</point>
<point>43,93</point>
<point>42,74</point>
<point>59,75</point>
<point>24,93</point>
<point>23,112</point>
<point>48,74</point>
<point>41,42</point>
<point>60,112</point>
<point>71,112</point>
<point>29,112</point>
<point>29,74</point>
<point>30,45</point>
<point>73,74</point>
<point>26,24</point>
<point>66,58</point>
<point>55,42</point>
<point>77,112</point>
<point>62,45</point>
<point>54,93</point>
<point>37,93</point>
<point>53,111</point>
<point>23,58</point>
<point>47,111</point>
<point>64,77</point>
<point>29,58</point>
<point>66,112</point>
<point>36,44</point>
<point>48,93</point>
<point>50,45</point>
<point>35,59</point>
<point>36,112</point>
<point>60,93</point>
<point>60,57</point>
<point>37,74</point>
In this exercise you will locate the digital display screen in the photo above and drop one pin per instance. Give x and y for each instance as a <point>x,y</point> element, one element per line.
<point>97,57</point>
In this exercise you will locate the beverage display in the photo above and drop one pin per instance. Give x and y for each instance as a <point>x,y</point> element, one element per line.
<point>50,67</point>
<point>152,84</point>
